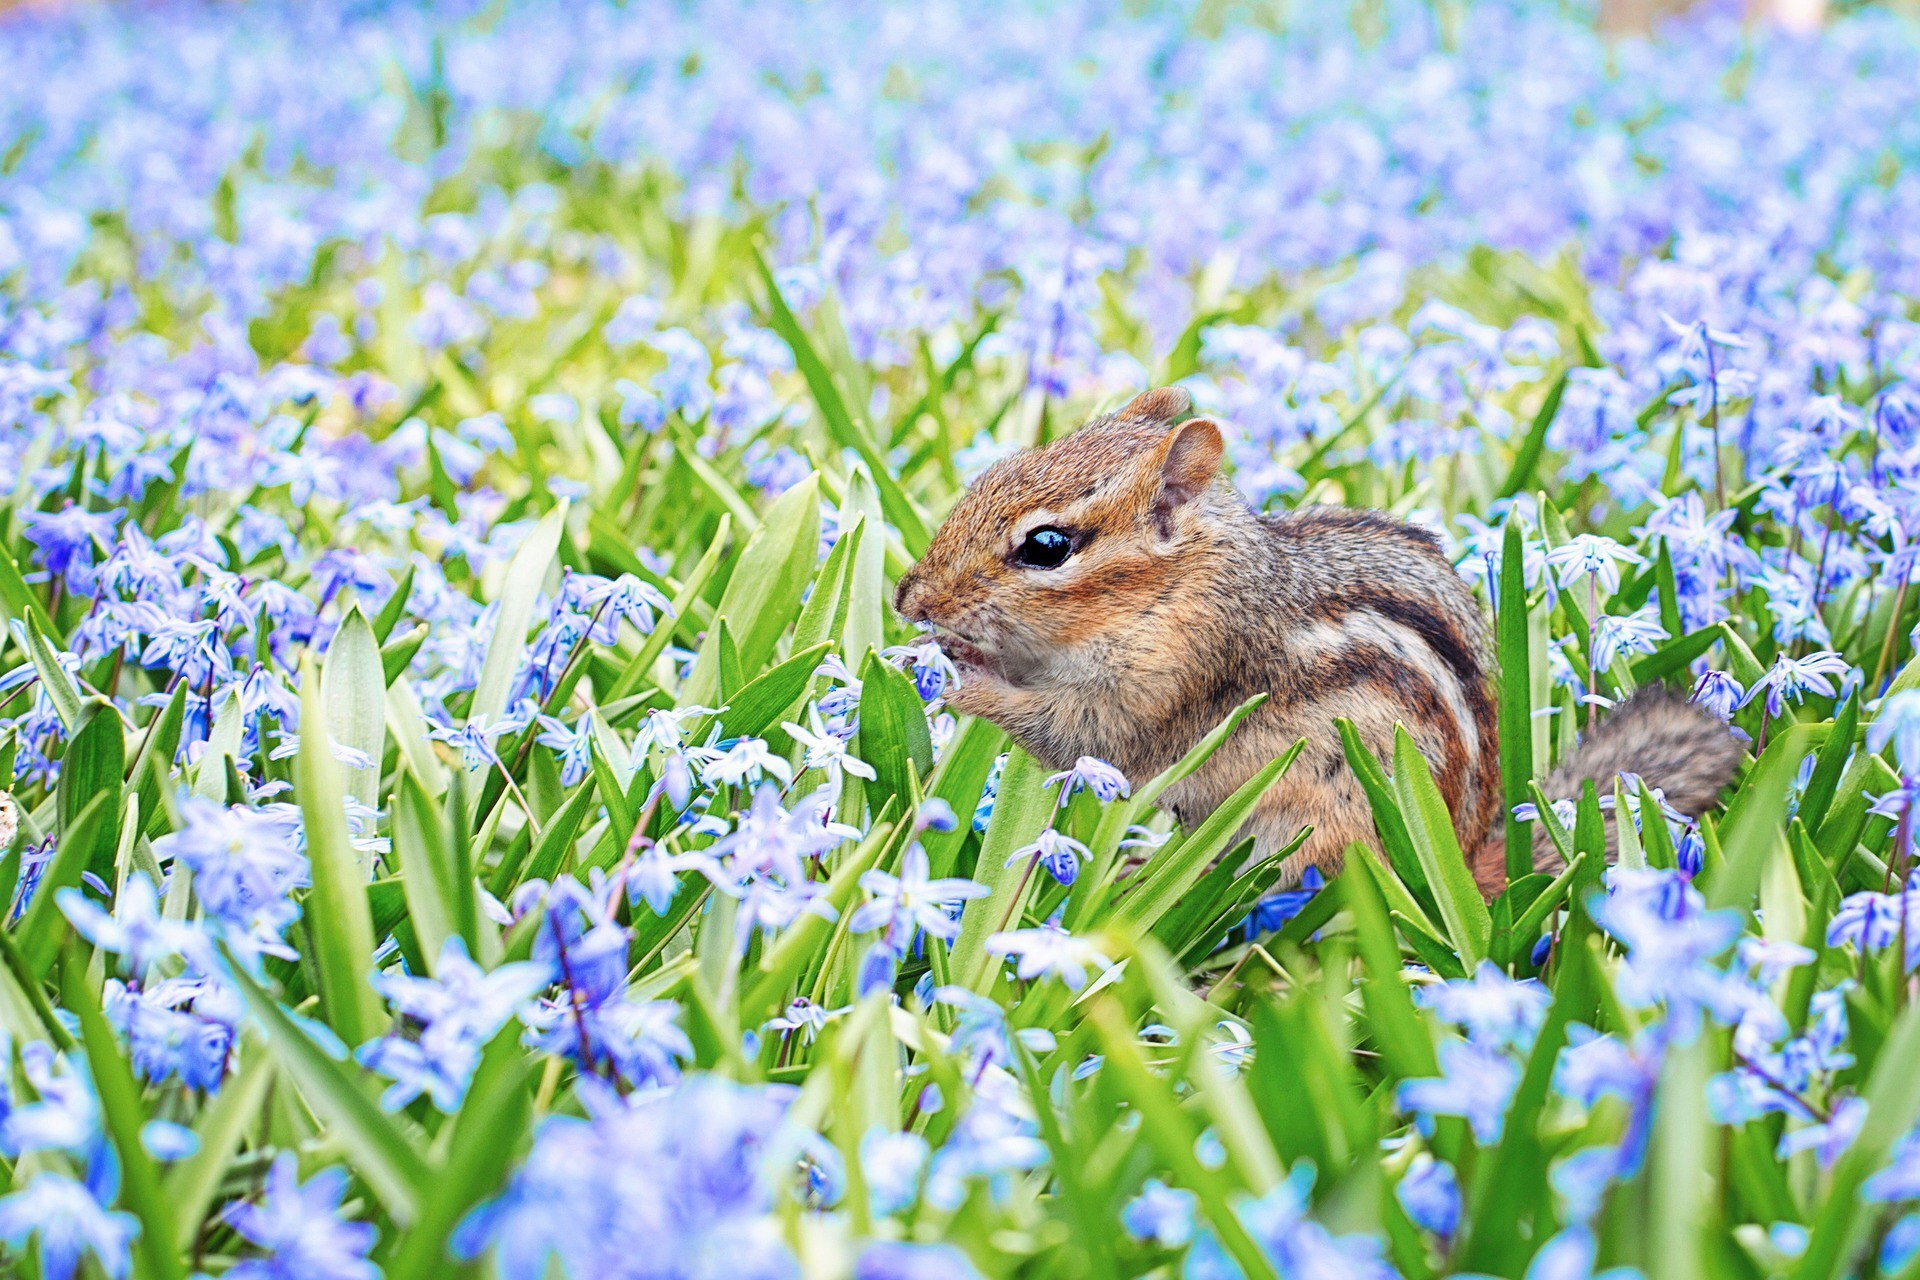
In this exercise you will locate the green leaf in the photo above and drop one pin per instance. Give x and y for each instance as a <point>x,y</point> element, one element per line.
<point>380,1151</point>
<point>1527,458</point>
<point>420,841</point>
<point>60,688</point>
<point>337,918</point>
<point>759,704</point>
<point>1174,870</point>
<point>354,687</point>
<point>395,607</point>
<point>823,617</point>
<point>893,735</point>
<point>866,602</point>
<point>1093,888</point>
<point>1512,946</point>
<point>123,1117</point>
<point>526,575</point>
<point>691,589</point>
<point>191,1185</point>
<point>1831,763</point>
<point>1755,826</point>
<point>1021,810</point>
<point>1388,821</point>
<point>95,764</point>
<point>14,592</point>
<point>42,924</point>
<point>960,779</point>
<point>841,427</point>
<point>1892,1094</point>
<point>1404,1041</point>
<point>1514,689</point>
<point>1430,827</point>
<point>556,838</point>
<point>492,1128</point>
<point>763,593</point>
<point>1672,658</point>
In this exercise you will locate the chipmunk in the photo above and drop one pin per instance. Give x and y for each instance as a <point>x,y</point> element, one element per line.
<point>1112,595</point>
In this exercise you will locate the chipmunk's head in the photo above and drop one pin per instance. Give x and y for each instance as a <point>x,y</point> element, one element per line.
<point>1061,561</point>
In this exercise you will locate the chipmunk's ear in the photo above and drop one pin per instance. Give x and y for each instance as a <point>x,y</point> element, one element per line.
<point>1162,404</point>
<point>1189,460</point>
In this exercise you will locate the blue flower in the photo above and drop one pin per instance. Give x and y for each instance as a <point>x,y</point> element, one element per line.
<point>1493,1009</point>
<point>904,1260</point>
<point>1897,721</point>
<point>1160,1214</point>
<point>1089,774</point>
<point>1475,1082</point>
<point>70,1224</point>
<point>911,900</point>
<point>1790,679</point>
<point>1430,1193</point>
<point>298,1226</point>
<point>66,541</point>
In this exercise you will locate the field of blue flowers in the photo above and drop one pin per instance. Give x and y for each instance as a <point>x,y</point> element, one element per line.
<point>469,808</point>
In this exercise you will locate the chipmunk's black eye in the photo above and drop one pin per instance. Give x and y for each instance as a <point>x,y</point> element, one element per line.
<point>1045,548</point>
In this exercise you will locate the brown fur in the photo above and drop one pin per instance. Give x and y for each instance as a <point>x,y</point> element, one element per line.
<point>1179,602</point>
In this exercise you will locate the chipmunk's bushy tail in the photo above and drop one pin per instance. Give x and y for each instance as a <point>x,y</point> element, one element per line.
<point>1676,747</point>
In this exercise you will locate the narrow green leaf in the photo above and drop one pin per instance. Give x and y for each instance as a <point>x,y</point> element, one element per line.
<point>61,690</point>
<point>1405,1043</point>
<point>354,687</point>
<point>191,1185</point>
<point>526,576</point>
<point>1527,458</point>
<point>380,1151</point>
<point>124,1117</point>
<point>1430,827</point>
<point>1515,702</point>
<point>42,925</point>
<point>14,592</point>
<point>95,764</point>
<point>336,911</point>
<point>893,735</point>
<point>1021,809</point>
<point>395,607</point>
<point>493,1126</point>
<point>424,862</point>
<point>763,593</point>
<point>1388,821</point>
<point>1174,870</point>
<point>866,604</point>
<point>960,779</point>
<point>1831,763</point>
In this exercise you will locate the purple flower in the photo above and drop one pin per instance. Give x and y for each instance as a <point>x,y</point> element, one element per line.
<point>904,1260</point>
<point>1898,722</point>
<point>1055,850</point>
<point>1719,693</point>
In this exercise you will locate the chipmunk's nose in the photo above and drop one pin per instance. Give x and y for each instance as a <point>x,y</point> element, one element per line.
<point>910,597</point>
